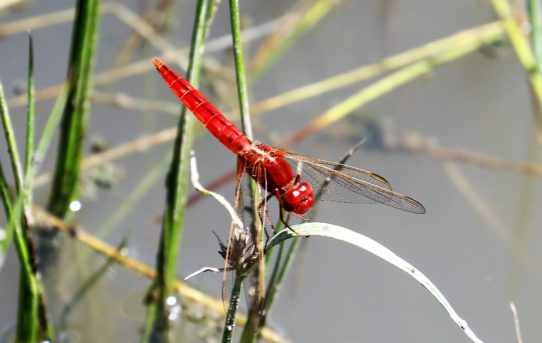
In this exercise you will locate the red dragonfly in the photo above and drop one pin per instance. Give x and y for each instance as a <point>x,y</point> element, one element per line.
<point>272,167</point>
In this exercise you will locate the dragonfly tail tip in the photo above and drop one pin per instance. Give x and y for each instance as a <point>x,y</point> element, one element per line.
<point>158,63</point>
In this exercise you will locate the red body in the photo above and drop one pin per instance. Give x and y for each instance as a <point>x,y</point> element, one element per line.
<point>264,163</point>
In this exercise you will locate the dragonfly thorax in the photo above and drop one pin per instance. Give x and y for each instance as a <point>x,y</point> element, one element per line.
<point>269,168</point>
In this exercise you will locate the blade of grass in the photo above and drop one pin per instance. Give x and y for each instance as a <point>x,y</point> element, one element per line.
<point>525,56</point>
<point>379,88</point>
<point>76,107</point>
<point>31,319</point>
<point>30,119</point>
<point>301,19</point>
<point>484,34</point>
<point>535,18</point>
<point>377,249</point>
<point>177,191</point>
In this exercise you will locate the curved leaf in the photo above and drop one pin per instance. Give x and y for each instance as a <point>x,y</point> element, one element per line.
<point>375,248</point>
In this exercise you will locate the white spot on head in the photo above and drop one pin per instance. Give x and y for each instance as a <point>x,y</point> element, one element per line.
<point>303,188</point>
<point>296,193</point>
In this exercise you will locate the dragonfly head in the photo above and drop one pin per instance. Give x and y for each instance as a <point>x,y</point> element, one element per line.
<point>298,199</point>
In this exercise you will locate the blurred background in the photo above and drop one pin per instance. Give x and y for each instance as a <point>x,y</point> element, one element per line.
<point>459,139</point>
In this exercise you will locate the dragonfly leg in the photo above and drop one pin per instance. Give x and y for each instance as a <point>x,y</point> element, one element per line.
<point>281,217</point>
<point>267,215</point>
<point>281,213</point>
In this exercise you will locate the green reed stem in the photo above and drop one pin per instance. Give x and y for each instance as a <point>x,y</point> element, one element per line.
<point>535,18</point>
<point>525,56</point>
<point>28,312</point>
<point>251,329</point>
<point>229,324</point>
<point>30,119</point>
<point>306,19</point>
<point>177,192</point>
<point>76,108</point>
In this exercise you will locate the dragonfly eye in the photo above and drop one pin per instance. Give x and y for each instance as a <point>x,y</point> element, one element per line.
<point>299,199</point>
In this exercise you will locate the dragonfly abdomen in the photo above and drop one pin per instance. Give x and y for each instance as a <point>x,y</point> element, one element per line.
<point>224,130</point>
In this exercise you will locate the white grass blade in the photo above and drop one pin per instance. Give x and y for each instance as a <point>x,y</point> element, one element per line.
<point>377,249</point>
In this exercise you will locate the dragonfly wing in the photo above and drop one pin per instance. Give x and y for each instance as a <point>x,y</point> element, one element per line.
<point>352,185</point>
<point>238,239</point>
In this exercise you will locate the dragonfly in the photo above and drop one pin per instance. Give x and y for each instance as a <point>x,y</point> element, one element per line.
<point>273,168</point>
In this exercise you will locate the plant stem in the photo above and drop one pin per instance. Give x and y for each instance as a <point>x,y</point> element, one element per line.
<point>535,19</point>
<point>177,191</point>
<point>252,329</point>
<point>525,56</point>
<point>28,312</point>
<point>30,119</point>
<point>229,324</point>
<point>76,107</point>
<point>240,75</point>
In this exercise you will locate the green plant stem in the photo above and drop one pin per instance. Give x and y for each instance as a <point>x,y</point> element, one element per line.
<point>251,329</point>
<point>304,20</point>
<point>240,74</point>
<point>30,119</point>
<point>28,312</point>
<point>177,190</point>
<point>525,56</point>
<point>11,143</point>
<point>379,88</point>
<point>229,324</point>
<point>535,19</point>
<point>76,107</point>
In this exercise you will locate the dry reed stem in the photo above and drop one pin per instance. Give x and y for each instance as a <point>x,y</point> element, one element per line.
<point>415,144</point>
<point>170,53</point>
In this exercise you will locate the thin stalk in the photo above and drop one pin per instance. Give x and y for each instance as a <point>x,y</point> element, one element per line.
<point>379,88</point>
<point>90,283</point>
<point>29,321</point>
<point>240,74</point>
<point>30,119</point>
<point>525,56</point>
<point>76,107</point>
<point>301,19</point>
<point>142,189</point>
<point>535,18</point>
<point>482,35</point>
<point>252,329</point>
<point>11,142</point>
<point>227,333</point>
<point>37,159</point>
<point>177,192</point>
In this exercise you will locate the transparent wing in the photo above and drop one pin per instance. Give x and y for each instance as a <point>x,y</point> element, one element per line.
<point>351,185</point>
